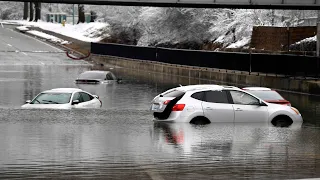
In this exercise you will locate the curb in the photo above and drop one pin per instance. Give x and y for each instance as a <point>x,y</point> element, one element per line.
<point>65,48</point>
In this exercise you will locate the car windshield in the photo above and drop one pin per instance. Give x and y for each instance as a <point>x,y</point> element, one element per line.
<point>52,98</point>
<point>267,95</point>
<point>92,75</point>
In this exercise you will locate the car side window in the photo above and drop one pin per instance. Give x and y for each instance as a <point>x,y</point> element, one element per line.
<point>198,96</point>
<point>216,97</point>
<point>109,77</point>
<point>86,97</point>
<point>243,98</point>
<point>113,76</point>
<point>77,96</point>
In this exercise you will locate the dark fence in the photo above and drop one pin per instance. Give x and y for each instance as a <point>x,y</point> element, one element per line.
<point>290,65</point>
<point>126,51</point>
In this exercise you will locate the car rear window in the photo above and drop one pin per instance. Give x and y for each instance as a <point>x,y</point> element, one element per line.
<point>198,95</point>
<point>174,93</point>
<point>216,97</point>
<point>267,95</point>
<point>92,75</point>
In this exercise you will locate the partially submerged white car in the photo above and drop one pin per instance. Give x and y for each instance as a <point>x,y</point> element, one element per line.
<point>215,103</point>
<point>64,98</point>
<point>97,77</point>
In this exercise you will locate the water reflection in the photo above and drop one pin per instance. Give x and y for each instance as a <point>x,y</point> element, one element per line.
<point>221,148</point>
<point>231,138</point>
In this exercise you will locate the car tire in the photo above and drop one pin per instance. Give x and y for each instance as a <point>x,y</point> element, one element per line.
<point>200,121</point>
<point>282,121</point>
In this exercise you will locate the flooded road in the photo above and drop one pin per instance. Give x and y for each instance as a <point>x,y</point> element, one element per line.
<point>120,140</point>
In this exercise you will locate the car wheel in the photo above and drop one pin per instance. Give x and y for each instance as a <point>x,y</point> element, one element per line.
<point>200,121</point>
<point>282,121</point>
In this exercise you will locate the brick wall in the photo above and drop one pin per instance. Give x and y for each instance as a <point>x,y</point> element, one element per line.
<point>278,38</point>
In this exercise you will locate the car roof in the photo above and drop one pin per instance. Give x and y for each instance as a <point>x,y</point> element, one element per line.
<point>63,90</point>
<point>96,72</point>
<point>257,89</point>
<point>204,87</point>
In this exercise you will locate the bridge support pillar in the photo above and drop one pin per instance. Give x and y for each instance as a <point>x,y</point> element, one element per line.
<point>318,39</point>
<point>318,35</point>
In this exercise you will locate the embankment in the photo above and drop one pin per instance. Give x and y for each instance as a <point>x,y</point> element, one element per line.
<point>195,75</point>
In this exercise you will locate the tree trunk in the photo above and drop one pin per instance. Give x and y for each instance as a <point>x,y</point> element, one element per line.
<point>25,11</point>
<point>38,11</point>
<point>81,18</point>
<point>31,11</point>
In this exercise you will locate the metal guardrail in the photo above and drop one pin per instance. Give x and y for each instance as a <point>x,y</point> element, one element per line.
<point>278,64</point>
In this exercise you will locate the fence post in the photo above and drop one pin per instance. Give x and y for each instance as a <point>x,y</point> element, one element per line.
<point>156,54</point>
<point>317,76</point>
<point>250,62</point>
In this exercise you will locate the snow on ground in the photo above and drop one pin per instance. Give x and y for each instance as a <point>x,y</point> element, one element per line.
<point>47,36</point>
<point>88,32</point>
<point>244,41</point>
<point>310,39</point>
<point>22,28</point>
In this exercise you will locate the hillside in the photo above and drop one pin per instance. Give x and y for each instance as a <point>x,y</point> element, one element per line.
<point>188,28</point>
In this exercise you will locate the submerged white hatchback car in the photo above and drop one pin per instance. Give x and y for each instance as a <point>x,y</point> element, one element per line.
<point>215,103</point>
<point>64,98</point>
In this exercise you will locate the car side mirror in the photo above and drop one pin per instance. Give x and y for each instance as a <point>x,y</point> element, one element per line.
<point>96,96</point>
<point>75,102</point>
<point>119,80</point>
<point>28,101</point>
<point>261,103</point>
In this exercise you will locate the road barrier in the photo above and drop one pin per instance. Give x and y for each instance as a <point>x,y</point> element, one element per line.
<point>289,65</point>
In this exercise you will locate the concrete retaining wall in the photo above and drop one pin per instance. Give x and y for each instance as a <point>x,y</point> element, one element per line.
<point>196,75</point>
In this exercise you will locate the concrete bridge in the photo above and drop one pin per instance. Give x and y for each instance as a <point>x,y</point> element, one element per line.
<point>242,4</point>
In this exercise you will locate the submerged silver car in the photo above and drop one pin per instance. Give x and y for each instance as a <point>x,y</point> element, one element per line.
<point>96,77</point>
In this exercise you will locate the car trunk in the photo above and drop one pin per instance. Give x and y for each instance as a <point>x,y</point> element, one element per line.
<point>87,81</point>
<point>165,109</point>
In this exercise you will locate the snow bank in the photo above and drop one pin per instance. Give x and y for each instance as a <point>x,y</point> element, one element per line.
<point>244,41</point>
<point>47,36</point>
<point>22,28</point>
<point>88,32</point>
<point>311,39</point>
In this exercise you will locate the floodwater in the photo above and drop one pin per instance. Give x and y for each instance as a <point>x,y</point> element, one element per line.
<point>120,140</point>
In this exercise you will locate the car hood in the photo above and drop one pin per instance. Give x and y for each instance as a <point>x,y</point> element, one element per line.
<point>276,106</point>
<point>46,106</point>
<point>277,101</point>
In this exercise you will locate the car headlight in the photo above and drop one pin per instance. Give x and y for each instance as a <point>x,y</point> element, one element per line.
<point>295,110</point>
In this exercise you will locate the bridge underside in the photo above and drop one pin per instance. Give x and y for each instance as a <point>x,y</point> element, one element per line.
<point>238,4</point>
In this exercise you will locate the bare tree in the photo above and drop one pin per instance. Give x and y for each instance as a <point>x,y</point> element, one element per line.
<point>38,11</point>
<point>31,11</point>
<point>81,18</point>
<point>25,11</point>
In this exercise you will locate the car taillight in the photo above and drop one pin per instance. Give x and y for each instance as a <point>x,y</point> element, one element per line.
<point>166,102</point>
<point>178,107</point>
<point>295,110</point>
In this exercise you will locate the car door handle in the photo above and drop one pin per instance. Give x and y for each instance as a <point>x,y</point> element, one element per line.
<point>238,109</point>
<point>209,108</point>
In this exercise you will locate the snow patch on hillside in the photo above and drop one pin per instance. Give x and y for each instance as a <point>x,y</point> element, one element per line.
<point>88,32</point>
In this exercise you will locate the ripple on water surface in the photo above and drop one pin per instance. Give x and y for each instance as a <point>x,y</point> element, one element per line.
<point>118,144</point>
